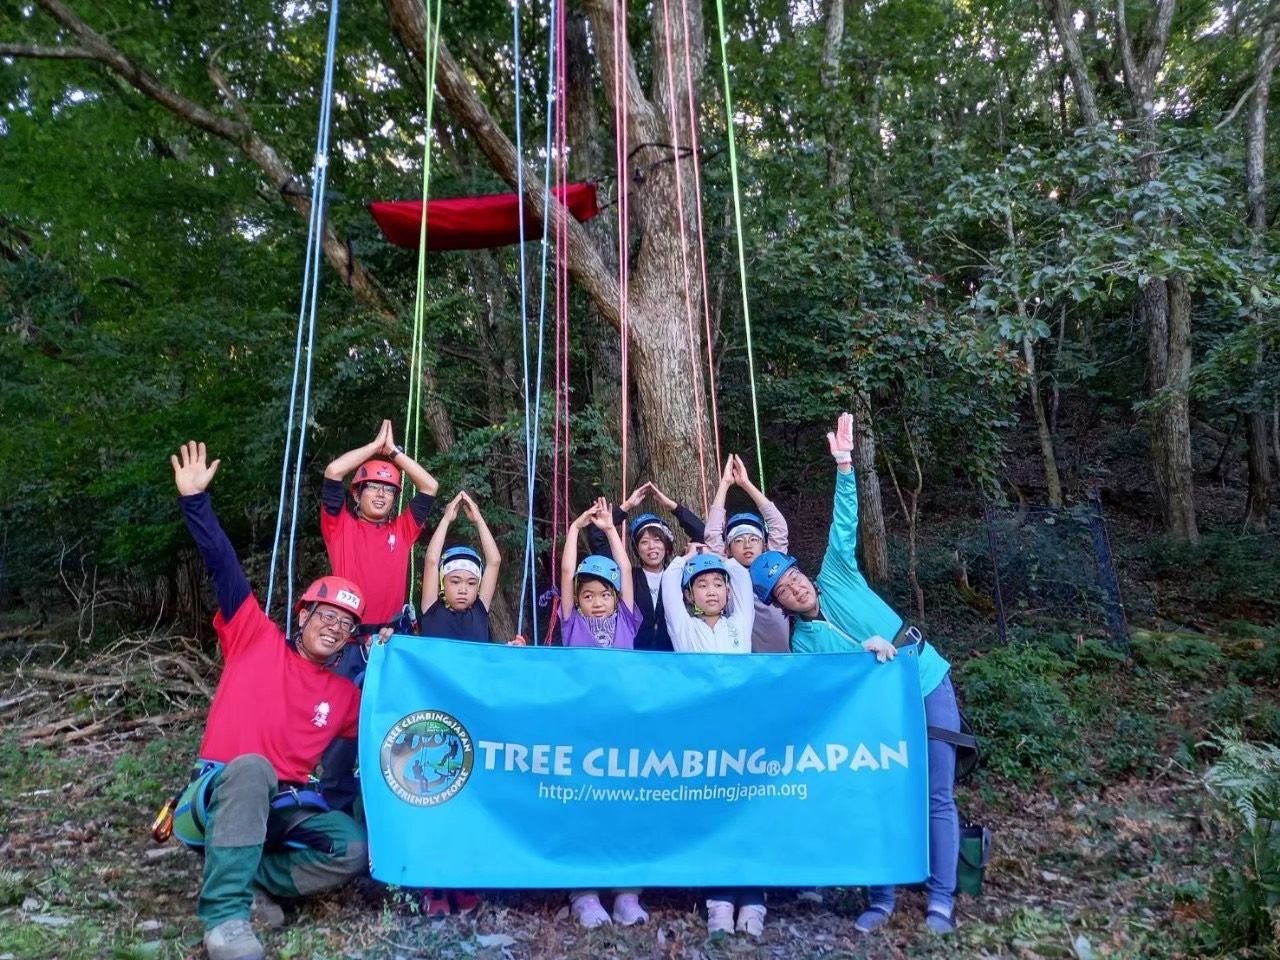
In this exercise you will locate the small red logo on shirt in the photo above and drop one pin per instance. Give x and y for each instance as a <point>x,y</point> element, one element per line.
<point>391,541</point>
<point>321,716</point>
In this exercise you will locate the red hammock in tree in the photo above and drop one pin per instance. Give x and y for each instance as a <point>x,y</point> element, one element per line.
<point>474,223</point>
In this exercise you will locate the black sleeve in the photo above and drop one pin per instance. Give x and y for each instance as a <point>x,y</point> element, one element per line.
<point>690,523</point>
<point>230,585</point>
<point>597,542</point>
<point>420,506</point>
<point>333,496</point>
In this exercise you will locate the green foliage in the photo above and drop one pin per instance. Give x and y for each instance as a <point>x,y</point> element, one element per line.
<point>1015,698</point>
<point>1245,781</point>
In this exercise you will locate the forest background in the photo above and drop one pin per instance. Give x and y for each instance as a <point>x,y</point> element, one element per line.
<point>1032,244</point>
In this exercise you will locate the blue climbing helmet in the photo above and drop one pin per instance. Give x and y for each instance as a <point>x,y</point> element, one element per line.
<point>702,563</point>
<point>766,570</point>
<point>599,568</point>
<point>744,523</point>
<point>648,521</point>
<point>460,558</point>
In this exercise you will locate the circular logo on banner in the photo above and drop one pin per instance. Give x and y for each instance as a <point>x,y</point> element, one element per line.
<point>427,758</point>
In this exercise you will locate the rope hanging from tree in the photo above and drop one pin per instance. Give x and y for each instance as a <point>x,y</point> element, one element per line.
<point>298,416</point>
<point>417,355</point>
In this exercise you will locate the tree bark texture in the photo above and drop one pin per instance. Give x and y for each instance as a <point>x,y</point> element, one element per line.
<point>1053,483</point>
<point>1164,309</point>
<point>1256,426</point>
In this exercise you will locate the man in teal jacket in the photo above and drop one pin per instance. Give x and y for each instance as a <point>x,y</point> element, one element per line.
<point>840,613</point>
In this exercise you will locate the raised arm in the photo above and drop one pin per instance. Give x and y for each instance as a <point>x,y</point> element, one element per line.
<point>775,523</point>
<point>435,547</point>
<point>353,458</point>
<point>713,532</point>
<point>673,608</point>
<point>843,539</point>
<point>602,519</point>
<point>192,474</point>
<point>488,547</point>
<point>689,521</point>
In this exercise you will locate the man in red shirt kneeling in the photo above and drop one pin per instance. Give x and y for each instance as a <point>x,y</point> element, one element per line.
<point>264,832</point>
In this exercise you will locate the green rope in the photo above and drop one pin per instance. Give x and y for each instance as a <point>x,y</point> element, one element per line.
<point>417,359</point>
<point>741,252</point>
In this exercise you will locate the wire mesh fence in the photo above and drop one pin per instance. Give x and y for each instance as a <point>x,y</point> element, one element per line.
<point>1054,569</point>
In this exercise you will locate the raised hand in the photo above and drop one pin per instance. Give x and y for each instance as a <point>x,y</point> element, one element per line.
<point>842,440</point>
<point>602,514</point>
<point>451,510</point>
<point>386,440</point>
<point>661,497</point>
<point>636,496</point>
<point>727,475</point>
<point>191,470</point>
<point>740,475</point>
<point>469,506</point>
<point>587,516</point>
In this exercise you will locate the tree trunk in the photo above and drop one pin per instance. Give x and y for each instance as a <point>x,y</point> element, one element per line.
<point>1063,14</point>
<point>873,542</point>
<point>670,399</point>
<point>1164,309</point>
<point>1256,427</point>
<point>586,161</point>
<point>1164,304</point>
<point>1052,482</point>
<point>666,295</point>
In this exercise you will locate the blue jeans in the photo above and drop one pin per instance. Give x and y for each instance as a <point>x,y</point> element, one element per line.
<point>940,710</point>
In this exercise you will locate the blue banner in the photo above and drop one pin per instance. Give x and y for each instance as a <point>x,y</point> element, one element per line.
<point>484,765</point>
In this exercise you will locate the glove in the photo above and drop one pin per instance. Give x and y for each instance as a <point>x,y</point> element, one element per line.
<point>882,648</point>
<point>843,441</point>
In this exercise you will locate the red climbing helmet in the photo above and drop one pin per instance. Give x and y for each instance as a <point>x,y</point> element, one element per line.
<point>337,592</point>
<point>380,471</point>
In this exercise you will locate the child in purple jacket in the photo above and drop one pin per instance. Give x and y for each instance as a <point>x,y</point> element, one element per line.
<point>597,597</point>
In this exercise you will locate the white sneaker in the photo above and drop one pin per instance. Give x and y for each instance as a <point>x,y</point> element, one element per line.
<point>751,920</point>
<point>627,911</point>
<point>266,911</point>
<point>589,912</point>
<point>232,940</point>
<point>719,917</point>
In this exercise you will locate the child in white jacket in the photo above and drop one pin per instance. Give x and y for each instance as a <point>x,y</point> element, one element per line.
<point>719,593</point>
<point>723,613</point>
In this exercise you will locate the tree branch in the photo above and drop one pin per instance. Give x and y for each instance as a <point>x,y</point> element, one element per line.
<point>1132,78</point>
<point>1066,30</point>
<point>36,51</point>
<point>409,21</point>
<point>241,134</point>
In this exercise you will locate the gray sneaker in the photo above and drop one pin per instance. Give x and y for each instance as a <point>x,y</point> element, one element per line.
<point>266,911</point>
<point>232,940</point>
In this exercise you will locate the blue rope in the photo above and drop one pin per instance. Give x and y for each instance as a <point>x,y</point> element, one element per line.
<point>310,292</point>
<point>542,313</point>
<point>529,575</point>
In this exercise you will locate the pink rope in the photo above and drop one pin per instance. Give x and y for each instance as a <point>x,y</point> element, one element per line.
<point>684,257</point>
<point>620,93</point>
<point>712,393</point>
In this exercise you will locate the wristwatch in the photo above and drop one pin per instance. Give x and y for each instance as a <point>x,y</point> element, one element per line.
<point>396,451</point>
